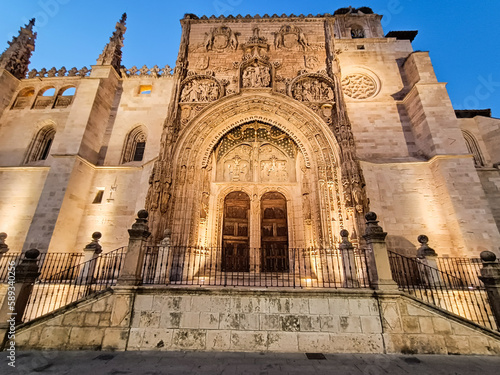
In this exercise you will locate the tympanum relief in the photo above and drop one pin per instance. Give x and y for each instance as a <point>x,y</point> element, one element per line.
<point>256,153</point>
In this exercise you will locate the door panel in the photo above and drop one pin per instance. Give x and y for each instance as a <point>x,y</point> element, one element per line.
<point>274,233</point>
<point>235,234</point>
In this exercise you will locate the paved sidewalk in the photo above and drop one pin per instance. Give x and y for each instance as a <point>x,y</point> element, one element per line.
<point>155,363</point>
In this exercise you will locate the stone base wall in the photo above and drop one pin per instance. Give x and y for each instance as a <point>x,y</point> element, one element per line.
<point>329,321</point>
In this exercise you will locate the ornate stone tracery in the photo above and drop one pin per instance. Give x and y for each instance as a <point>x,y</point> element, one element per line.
<point>359,86</point>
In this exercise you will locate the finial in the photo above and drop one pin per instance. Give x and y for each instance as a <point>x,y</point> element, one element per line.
<point>94,244</point>
<point>16,58</point>
<point>32,254</point>
<point>112,53</point>
<point>424,250</point>
<point>488,256</point>
<point>345,244</point>
<point>142,214</point>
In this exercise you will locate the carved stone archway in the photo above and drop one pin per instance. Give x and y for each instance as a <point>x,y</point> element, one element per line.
<point>317,206</point>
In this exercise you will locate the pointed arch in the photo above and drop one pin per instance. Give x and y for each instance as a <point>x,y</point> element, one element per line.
<point>473,148</point>
<point>39,148</point>
<point>135,145</point>
<point>317,192</point>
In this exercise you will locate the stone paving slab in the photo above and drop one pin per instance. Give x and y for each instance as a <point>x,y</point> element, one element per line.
<point>210,363</point>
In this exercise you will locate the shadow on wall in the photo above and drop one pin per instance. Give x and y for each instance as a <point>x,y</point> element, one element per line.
<point>401,245</point>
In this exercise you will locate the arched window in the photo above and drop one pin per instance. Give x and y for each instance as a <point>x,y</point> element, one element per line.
<point>65,97</point>
<point>135,145</point>
<point>24,98</point>
<point>473,148</point>
<point>39,148</point>
<point>45,98</point>
<point>357,32</point>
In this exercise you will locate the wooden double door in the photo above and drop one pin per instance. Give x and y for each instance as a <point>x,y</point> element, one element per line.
<point>273,253</point>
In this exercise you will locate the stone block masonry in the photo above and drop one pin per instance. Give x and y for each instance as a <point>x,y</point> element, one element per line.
<point>257,320</point>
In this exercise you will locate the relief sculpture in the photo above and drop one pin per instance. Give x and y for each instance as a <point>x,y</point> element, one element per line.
<point>256,75</point>
<point>200,91</point>
<point>312,90</point>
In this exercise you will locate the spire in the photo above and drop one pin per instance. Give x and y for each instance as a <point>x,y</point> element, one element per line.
<point>16,58</point>
<point>112,53</point>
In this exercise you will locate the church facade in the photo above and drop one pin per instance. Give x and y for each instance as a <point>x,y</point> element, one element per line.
<point>270,133</point>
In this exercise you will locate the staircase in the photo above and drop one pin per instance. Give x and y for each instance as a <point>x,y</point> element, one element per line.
<point>73,284</point>
<point>458,295</point>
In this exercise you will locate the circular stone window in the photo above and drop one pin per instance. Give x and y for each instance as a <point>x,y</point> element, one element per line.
<point>359,86</point>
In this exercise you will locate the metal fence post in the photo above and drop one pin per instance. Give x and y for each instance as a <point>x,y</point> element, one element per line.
<point>380,272</point>
<point>131,273</point>
<point>20,286</point>
<point>490,276</point>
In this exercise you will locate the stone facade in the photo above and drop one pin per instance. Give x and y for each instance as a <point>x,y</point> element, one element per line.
<point>323,113</point>
<point>257,321</point>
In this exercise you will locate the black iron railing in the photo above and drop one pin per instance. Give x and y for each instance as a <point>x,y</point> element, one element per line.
<point>466,270</point>
<point>442,289</point>
<point>74,283</point>
<point>48,264</point>
<point>290,268</point>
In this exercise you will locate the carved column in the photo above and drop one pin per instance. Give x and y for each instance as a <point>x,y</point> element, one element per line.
<point>352,176</point>
<point>380,268</point>
<point>158,200</point>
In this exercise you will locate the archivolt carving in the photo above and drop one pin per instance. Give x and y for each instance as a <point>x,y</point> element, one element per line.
<point>359,86</point>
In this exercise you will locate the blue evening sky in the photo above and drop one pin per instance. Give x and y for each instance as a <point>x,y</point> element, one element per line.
<point>462,35</point>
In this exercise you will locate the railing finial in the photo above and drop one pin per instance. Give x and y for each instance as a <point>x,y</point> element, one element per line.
<point>424,250</point>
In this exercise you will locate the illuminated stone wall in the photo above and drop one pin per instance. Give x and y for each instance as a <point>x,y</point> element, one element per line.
<point>358,108</point>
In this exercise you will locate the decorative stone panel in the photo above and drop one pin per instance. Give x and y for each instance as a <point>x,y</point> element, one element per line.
<point>359,86</point>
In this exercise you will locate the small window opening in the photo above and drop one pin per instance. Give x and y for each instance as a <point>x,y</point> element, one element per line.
<point>139,151</point>
<point>357,32</point>
<point>40,146</point>
<point>361,46</point>
<point>46,149</point>
<point>98,196</point>
<point>145,89</point>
